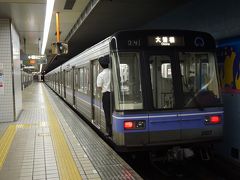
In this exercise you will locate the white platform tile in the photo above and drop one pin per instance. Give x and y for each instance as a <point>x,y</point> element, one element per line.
<point>31,155</point>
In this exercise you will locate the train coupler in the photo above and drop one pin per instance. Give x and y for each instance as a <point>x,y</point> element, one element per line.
<point>178,153</point>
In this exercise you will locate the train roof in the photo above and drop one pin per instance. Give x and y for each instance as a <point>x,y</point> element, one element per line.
<point>102,48</point>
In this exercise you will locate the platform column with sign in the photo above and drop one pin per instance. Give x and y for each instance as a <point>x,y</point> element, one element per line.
<point>10,72</point>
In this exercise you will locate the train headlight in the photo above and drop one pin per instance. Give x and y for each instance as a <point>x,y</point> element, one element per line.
<point>213,119</point>
<point>131,125</point>
<point>128,125</point>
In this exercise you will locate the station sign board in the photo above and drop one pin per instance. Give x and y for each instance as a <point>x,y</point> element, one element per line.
<point>35,59</point>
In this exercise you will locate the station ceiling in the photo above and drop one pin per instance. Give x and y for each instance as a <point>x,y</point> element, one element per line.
<point>86,23</point>
<point>28,17</point>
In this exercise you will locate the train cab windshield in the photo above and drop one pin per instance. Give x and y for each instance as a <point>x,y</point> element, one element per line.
<point>198,76</point>
<point>199,86</point>
<point>199,79</point>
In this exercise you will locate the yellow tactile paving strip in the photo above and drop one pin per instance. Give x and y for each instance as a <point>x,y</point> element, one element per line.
<point>5,143</point>
<point>66,165</point>
<point>7,139</point>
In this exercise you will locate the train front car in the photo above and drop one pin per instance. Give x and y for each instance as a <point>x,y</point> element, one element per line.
<point>165,89</point>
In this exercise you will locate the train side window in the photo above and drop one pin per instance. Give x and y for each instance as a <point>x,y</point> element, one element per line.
<point>81,74</point>
<point>56,79</point>
<point>60,76</point>
<point>66,78</point>
<point>86,79</point>
<point>126,80</point>
<point>70,78</point>
<point>95,73</point>
<point>76,81</point>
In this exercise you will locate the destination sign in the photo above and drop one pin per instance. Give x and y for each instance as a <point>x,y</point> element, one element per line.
<point>165,41</point>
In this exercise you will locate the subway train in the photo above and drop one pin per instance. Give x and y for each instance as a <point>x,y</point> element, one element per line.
<point>26,79</point>
<point>164,88</point>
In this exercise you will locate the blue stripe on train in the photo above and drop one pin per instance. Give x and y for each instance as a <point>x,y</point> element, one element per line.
<point>85,98</point>
<point>168,121</point>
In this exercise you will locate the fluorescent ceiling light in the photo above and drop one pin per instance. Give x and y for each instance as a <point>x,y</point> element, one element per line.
<point>40,68</point>
<point>29,67</point>
<point>47,23</point>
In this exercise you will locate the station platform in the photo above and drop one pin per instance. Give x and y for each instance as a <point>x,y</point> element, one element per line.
<point>49,141</point>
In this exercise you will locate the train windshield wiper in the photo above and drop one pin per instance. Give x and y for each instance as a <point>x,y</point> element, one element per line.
<point>194,101</point>
<point>198,104</point>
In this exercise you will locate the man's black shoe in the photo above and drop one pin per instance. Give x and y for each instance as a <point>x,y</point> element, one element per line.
<point>108,135</point>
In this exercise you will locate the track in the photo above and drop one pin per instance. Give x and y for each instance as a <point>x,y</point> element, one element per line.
<point>192,169</point>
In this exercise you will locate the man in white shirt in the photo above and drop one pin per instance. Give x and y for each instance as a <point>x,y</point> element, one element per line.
<point>103,85</point>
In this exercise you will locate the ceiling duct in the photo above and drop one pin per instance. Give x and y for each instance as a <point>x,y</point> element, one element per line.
<point>69,4</point>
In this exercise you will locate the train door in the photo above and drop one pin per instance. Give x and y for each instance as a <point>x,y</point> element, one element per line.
<point>56,83</point>
<point>73,85</point>
<point>96,95</point>
<point>53,78</point>
<point>54,87</point>
<point>164,124</point>
<point>59,81</point>
<point>64,83</point>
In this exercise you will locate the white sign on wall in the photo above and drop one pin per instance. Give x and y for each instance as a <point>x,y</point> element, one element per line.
<point>1,80</point>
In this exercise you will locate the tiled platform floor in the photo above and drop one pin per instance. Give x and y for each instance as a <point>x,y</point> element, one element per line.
<point>38,151</point>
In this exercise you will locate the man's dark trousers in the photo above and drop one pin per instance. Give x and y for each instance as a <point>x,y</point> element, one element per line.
<point>106,108</point>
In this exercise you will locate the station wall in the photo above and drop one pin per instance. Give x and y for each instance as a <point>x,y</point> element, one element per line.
<point>10,95</point>
<point>220,18</point>
<point>229,72</point>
